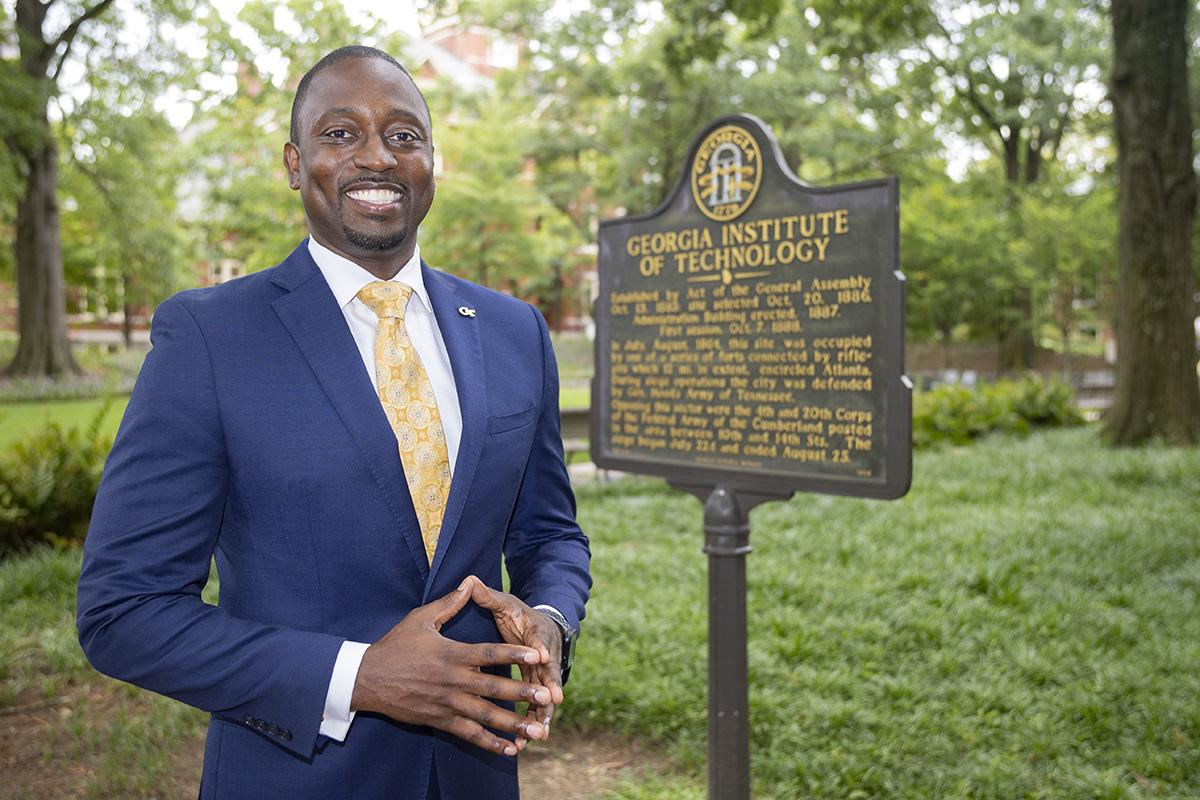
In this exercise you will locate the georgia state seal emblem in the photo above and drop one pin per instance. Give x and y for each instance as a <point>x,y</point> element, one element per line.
<point>726,173</point>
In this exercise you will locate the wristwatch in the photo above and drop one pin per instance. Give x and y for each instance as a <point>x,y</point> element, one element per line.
<point>570,636</point>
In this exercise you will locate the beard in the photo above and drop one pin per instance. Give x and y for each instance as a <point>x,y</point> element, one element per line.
<point>381,242</point>
<point>367,241</point>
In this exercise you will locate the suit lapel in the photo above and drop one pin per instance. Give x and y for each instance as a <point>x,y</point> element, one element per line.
<point>461,336</point>
<point>312,317</point>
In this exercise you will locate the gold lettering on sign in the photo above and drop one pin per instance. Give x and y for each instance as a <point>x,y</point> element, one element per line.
<point>745,373</point>
<point>739,250</point>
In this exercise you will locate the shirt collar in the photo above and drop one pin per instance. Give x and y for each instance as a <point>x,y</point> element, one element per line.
<point>346,278</point>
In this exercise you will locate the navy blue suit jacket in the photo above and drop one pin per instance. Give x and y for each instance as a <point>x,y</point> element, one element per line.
<point>254,435</point>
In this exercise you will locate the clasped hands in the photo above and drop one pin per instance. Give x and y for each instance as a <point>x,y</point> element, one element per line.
<point>416,675</point>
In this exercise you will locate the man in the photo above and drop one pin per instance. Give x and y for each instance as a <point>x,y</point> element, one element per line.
<point>357,439</point>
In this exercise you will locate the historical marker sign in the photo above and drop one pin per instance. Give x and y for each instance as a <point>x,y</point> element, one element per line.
<point>750,332</point>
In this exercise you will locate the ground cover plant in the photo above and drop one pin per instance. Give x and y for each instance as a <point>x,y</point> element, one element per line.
<point>1025,624</point>
<point>105,371</point>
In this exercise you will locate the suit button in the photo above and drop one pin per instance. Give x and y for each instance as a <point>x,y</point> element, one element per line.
<point>272,729</point>
<point>286,735</point>
<point>248,720</point>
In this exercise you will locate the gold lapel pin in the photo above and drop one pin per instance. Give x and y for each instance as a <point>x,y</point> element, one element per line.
<point>466,312</point>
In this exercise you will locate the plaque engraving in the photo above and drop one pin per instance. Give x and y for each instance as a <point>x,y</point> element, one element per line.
<point>750,331</point>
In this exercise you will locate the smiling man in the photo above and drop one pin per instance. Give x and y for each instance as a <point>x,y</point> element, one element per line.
<point>357,439</point>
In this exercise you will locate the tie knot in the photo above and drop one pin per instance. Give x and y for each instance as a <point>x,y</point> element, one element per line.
<point>386,298</point>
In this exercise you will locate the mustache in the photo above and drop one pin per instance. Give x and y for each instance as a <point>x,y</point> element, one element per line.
<point>346,183</point>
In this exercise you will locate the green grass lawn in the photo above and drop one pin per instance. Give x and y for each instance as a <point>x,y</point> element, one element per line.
<point>574,397</point>
<point>20,419</point>
<point>1024,624</point>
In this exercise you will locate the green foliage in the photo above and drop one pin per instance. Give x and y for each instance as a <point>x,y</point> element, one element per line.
<point>123,244</point>
<point>956,254</point>
<point>617,107</point>
<point>701,27</point>
<point>48,483</point>
<point>596,122</point>
<point>1024,624</point>
<point>1068,246</point>
<point>248,214</point>
<point>489,222</point>
<point>37,637</point>
<point>118,158</point>
<point>956,414</point>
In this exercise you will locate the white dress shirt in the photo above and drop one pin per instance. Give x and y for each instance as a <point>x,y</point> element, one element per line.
<point>346,279</point>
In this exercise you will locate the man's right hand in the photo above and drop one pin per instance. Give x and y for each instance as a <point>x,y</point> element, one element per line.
<point>416,675</point>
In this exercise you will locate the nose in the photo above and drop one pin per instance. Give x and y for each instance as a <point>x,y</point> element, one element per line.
<point>374,154</point>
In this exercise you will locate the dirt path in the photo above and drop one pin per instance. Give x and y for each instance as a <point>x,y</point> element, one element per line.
<point>48,753</point>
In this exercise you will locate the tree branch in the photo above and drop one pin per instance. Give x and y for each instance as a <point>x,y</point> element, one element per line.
<point>971,93</point>
<point>871,160</point>
<point>67,37</point>
<point>1056,134</point>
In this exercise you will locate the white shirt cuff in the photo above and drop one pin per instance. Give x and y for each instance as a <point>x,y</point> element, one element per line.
<point>335,722</point>
<point>552,608</point>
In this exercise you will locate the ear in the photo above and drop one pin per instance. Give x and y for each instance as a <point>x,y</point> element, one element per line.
<point>291,162</point>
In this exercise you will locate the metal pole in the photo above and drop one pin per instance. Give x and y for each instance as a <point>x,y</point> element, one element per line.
<point>727,541</point>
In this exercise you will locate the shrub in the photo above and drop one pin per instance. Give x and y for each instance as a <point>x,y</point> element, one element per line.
<point>48,484</point>
<point>953,413</point>
<point>1046,402</point>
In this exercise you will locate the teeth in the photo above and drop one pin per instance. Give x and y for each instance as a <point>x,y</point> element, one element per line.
<point>379,197</point>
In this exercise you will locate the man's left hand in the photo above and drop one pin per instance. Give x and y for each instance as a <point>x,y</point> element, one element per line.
<point>522,625</point>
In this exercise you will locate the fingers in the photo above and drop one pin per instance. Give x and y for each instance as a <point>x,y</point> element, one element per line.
<point>490,654</point>
<point>445,608</point>
<point>544,712</point>
<point>550,676</point>
<point>483,595</point>
<point>484,684</point>
<point>510,612</point>
<point>479,736</point>
<point>482,714</point>
<point>544,656</point>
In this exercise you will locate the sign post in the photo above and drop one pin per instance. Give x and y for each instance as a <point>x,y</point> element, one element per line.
<point>750,344</point>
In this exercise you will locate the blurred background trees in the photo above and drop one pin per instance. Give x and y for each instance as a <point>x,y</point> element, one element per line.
<point>166,123</point>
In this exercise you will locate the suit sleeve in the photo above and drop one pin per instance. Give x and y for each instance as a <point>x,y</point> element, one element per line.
<point>546,551</point>
<point>153,532</point>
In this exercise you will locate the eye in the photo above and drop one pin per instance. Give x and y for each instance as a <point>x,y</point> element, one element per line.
<point>404,136</point>
<point>340,134</point>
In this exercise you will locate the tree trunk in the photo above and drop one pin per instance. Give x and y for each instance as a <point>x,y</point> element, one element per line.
<point>1012,157</point>
<point>43,349</point>
<point>1157,393</point>
<point>126,311</point>
<point>1016,346</point>
<point>1065,330</point>
<point>558,295</point>
<point>1033,159</point>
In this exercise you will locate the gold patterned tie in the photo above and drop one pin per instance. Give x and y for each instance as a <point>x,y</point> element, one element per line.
<point>408,400</point>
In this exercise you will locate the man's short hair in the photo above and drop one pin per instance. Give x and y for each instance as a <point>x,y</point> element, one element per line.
<point>349,51</point>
